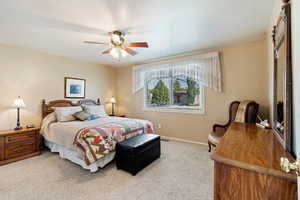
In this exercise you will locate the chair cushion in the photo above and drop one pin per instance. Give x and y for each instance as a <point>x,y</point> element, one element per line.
<point>215,137</point>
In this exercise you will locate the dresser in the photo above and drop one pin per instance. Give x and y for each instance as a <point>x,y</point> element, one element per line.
<point>19,145</point>
<point>247,166</point>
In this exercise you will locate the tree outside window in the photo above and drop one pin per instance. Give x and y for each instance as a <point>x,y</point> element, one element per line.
<point>178,92</point>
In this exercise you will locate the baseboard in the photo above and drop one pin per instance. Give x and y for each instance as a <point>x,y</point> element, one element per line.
<point>182,140</point>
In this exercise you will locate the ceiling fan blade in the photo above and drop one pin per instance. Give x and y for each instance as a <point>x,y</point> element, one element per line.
<point>91,42</point>
<point>130,51</point>
<point>138,44</point>
<point>107,51</point>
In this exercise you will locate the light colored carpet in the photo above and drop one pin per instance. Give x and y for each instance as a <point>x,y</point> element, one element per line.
<point>184,172</point>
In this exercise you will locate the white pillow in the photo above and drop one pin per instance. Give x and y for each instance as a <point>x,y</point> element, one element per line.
<point>65,114</point>
<point>95,110</point>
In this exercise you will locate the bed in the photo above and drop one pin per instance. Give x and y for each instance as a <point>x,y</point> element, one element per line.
<point>90,144</point>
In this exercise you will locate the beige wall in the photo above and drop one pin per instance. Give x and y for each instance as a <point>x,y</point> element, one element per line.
<point>245,77</point>
<point>36,76</point>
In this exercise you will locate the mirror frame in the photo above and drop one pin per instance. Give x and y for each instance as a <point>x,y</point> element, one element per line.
<point>281,34</point>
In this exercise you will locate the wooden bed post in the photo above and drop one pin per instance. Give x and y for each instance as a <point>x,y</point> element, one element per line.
<point>43,108</point>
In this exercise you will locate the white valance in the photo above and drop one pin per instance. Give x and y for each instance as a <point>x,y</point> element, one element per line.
<point>206,69</point>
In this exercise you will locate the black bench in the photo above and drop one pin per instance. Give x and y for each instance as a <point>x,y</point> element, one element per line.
<point>134,154</point>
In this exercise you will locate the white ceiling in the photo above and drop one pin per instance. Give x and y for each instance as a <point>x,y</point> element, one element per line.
<point>169,26</point>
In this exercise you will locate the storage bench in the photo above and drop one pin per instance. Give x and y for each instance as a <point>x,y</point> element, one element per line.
<point>134,154</point>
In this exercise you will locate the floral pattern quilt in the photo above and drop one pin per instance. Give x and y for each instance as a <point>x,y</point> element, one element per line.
<point>96,142</point>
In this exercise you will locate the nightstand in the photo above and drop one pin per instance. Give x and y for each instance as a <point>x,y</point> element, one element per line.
<point>19,145</point>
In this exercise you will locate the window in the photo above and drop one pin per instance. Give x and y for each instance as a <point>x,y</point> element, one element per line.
<point>177,84</point>
<point>174,93</point>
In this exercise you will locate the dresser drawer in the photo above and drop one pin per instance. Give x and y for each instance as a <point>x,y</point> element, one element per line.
<point>1,148</point>
<point>15,150</point>
<point>22,137</point>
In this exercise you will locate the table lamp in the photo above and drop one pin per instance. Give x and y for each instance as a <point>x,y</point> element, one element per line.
<point>18,103</point>
<point>113,101</point>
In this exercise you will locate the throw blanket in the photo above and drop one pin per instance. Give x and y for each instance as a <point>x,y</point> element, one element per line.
<point>241,112</point>
<point>96,142</point>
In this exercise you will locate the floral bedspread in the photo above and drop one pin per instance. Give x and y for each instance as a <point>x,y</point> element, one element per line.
<point>96,142</point>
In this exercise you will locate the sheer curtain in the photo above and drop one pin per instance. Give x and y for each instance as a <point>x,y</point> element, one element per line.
<point>206,69</point>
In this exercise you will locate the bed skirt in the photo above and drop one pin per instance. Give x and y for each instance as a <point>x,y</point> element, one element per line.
<point>76,157</point>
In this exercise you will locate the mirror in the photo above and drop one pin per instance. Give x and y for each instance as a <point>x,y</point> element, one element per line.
<point>282,101</point>
<point>280,89</point>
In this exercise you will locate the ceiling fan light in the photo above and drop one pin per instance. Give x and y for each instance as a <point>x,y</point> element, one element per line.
<point>115,52</point>
<point>124,53</point>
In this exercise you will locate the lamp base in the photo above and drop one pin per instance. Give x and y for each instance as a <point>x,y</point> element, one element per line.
<point>18,128</point>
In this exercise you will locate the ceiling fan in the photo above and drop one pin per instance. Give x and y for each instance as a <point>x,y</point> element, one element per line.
<point>119,46</point>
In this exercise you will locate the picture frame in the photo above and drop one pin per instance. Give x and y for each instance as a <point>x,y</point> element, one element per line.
<point>75,88</point>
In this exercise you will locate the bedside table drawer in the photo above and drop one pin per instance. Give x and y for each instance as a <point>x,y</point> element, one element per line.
<point>22,137</point>
<point>2,148</point>
<point>15,150</point>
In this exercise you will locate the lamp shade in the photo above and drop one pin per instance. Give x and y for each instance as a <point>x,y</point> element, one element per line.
<point>112,100</point>
<point>19,103</point>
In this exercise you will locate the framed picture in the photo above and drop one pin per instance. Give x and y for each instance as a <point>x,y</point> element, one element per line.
<point>74,87</point>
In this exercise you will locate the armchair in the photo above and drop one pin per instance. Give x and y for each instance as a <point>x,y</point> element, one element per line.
<point>219,130</point>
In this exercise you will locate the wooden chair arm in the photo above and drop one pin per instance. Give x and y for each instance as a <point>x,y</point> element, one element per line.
<point>215,126</point>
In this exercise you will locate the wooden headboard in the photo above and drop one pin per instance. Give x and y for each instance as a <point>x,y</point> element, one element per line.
<point>47,108</point>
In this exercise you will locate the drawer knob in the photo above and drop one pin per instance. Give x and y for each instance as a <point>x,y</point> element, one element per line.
<point>286,166</point>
